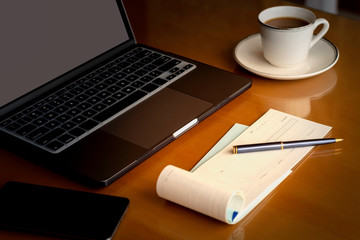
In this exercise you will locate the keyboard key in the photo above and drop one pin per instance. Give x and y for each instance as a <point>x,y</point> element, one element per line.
<point>132,78</point>
<point>28,110</point>
<point>120,76</point>
<point>119,95</point>
<point>150,67</point>
<point>81,97</point>
<point>159,81</point>
<point>40,121</point>
<point>24,120</point>
<point>51,115</point>
<point>150,87</point>
<point>155,73</point>
<point>115,69</point>
<point>109,101</point>
<point>175,69</point>
<point>61,109</point>
<point>123,64</point>
<point>180,71</point>
<point>63,118</point>
<point>68,125</point>
<point>41,103</point>
<point>122,83</point>
<point>139,65</point>
<point>26,129</point>
<point>78,119</point>
<point>91,91</point>
<point>13,126</point>
<point>113,89</point>
<point>89,113</point>
<point>143,53</point>
<point>86,85</point>
<point>37,133</point>
<point>128,90</point>
<point>45,108</point>
<point>50,136</point>
<point>94,100</point>
<point>73,112</point>
<point>6,122</point>
<point>101,86</point>
<point>100,70</point>
<point>188,66</point>
<point>154,55</point>
<point>50,98</point>
<point>132,59</point>
<point>89,124</point>
<point>109,65</point>
<point>17,116</point>
<point>55,145</point>
<point>52,124</point>
<point>35,114</point>
<point>77,90</point>
<point>81,80</point>
<point>99,107</point>
<point>110,81</point>
<point>77,132</point>
<point>103,94</point>
<point>169,65</point>
<point>161,60</point>
<point>71,103</point>
<point>137,84</point>
<point>129,70</point>
<point>106,74</point>
<point>66,138</point>
<point>172,76</point>
<point>141,72</point>
<point>84,106</point>
<point>91,76</point>
<point>147,79</point>
<point>66,96</point>
<point>71,86</point>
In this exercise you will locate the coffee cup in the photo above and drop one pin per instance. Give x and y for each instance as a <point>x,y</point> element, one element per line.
<point>287,34</point>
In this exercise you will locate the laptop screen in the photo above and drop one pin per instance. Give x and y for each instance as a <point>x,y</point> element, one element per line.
<point>41,40</point>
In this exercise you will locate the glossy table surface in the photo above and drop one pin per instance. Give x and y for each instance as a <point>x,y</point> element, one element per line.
<point>319,200</point>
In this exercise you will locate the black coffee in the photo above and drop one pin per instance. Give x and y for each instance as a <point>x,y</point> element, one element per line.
<point>286,22</point>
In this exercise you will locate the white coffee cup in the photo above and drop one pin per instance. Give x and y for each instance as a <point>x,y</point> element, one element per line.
<point>289,46</point>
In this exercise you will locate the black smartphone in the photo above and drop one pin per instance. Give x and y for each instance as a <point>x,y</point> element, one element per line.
<point>60,212</point>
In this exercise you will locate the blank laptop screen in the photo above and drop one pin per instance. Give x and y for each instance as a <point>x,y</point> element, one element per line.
<point>42,39</point>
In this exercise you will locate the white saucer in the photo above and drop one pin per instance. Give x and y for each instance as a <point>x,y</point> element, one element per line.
<point>322,56</point>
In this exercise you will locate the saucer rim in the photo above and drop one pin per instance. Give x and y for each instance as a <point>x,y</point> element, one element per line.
<point>285,76</point>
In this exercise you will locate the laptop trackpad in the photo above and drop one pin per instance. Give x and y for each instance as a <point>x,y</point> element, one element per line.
<point>157,118</point>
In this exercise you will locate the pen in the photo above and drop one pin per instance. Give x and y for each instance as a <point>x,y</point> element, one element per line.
<point>282,145</point>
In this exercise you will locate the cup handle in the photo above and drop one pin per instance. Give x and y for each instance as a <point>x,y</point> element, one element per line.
<point>322,32</point>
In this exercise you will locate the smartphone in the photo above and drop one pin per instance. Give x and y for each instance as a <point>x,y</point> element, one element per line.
<point>60,212</point>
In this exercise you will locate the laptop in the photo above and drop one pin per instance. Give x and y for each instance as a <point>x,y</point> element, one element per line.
<point>80,96</point>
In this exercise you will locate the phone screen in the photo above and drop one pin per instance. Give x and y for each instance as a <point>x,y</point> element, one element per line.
<point>60,212</point>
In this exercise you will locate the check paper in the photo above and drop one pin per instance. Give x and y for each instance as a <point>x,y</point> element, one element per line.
<point>228,186</point>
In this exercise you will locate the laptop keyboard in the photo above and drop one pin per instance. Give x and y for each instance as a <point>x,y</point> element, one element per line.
<point>61,119</point>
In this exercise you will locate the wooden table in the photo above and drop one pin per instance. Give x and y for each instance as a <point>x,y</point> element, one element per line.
<point>320,200</point>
